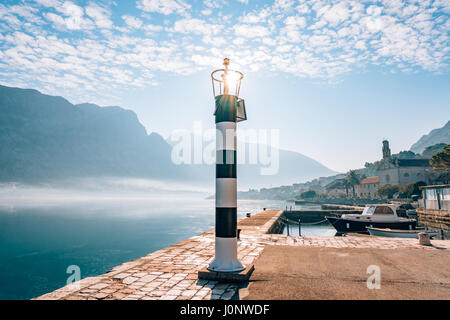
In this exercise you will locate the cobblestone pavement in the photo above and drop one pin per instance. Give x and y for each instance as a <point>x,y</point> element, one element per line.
<point>171,273</point>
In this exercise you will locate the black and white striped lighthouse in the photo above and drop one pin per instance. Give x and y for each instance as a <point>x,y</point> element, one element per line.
<point>230,109</point>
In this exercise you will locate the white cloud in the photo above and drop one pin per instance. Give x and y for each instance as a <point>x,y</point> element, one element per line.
<point>153,28</point>
<point>70,9</point>
<point>22,11</point>
<point>239,41</point>
<point>100,15</point>
<point>205,60</point>
<point>296,20</point>
<point>373,25</point>
<point>206,12</point>
<point>317,38</point>
<point>361,45</point>
<point>251,31</point>
<point>195,26</point>
<point>13,17</point>
<point>214,3</point>
<point>333,15</point>
<point>257,17</point>
<point>48,3</point>
<point>132,22</point>
<point>283,4</point>
<point>165,7</point>
<point>374,10</point>
<point>70,23</point>
<point>393,6</point>
<point>71,18</point>
<point>293,25</point>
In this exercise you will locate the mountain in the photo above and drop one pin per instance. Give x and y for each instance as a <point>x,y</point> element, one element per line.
<point>292,167</point>
<point>436,136</point>
<point>44,138</point>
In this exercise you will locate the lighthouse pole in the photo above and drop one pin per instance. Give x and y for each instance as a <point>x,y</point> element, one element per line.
<point>226,183</point>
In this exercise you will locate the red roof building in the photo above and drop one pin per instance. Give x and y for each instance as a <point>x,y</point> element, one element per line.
<point>370,180</point>
<point>367,187</point>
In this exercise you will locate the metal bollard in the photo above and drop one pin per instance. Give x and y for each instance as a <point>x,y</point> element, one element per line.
<point>299,227</point>
<point>287,226</point>
<point>239,234</point>
<point>424,239</point>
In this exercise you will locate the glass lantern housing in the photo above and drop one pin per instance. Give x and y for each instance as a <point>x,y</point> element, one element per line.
<point>226,81</point>
<point>226,86</point>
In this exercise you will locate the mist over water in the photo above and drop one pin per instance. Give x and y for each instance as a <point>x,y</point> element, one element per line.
<point>45,229</point>
<point>82,189</point>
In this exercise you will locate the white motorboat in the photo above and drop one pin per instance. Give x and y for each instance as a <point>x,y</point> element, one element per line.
<point>377,216</point>
<point>386,232</point>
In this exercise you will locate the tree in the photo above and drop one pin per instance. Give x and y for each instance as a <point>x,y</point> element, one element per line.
<point>387,191</point>
<point>353,179</point>
<point>411,189</point>
<point>442,176</point>
<point>308,194</point>
<point>371,169</point>
<point>430,151</point>
<point>346,185</point>
<point>441,160</point>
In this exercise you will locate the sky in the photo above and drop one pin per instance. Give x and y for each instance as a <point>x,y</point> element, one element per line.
<point>334,77</point>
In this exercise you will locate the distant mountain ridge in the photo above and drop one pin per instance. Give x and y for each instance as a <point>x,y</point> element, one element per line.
<point>436,136</point>
<point>43,138</point>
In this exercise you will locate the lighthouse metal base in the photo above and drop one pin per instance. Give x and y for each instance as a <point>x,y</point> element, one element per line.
<point>226,259</point>
<point>226,267</point>
<point>231,277</point>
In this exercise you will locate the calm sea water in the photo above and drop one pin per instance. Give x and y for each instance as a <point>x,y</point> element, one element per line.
<point>322,229</point>
<point>39,241</point>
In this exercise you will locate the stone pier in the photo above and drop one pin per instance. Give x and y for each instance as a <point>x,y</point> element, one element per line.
<point>171,273</point>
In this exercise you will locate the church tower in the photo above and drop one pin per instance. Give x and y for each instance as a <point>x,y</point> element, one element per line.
<point>386,150</point>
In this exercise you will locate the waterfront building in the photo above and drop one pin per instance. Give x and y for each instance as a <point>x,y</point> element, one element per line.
<point>386,150</point>
<point>434,208</point>
<point>403,171</point>
<point>394,171</point>
<point>435,197</point>
<point>367,187</point>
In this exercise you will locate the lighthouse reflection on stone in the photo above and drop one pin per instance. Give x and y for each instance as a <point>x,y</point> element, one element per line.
<point>230,110</point>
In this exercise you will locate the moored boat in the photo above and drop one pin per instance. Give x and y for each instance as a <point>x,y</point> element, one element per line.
<point>398,233</point>
<point>374,216</point>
